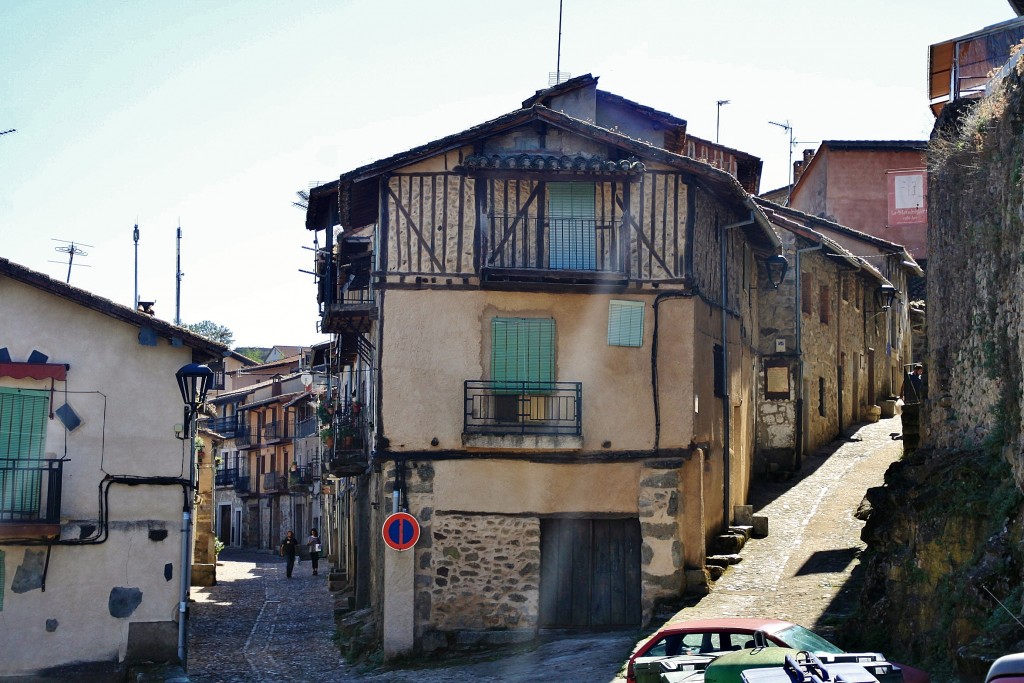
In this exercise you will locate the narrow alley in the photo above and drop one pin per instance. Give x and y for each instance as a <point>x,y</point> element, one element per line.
<point>256,625</point>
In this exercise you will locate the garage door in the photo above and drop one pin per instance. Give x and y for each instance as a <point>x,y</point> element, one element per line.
<point>590,573</point>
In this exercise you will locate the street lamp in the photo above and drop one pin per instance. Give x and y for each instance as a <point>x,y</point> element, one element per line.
<point>776,265</point>
<point>193,381</point>
<point>884,296</point>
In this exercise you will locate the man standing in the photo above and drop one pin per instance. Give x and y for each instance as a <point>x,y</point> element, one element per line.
<point>288,547</point>
<point>913,390</point>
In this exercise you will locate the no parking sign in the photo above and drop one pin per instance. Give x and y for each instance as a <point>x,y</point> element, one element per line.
<point>400,531</point>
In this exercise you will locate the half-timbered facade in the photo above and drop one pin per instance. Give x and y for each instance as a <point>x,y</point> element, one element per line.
<point>559,319</point>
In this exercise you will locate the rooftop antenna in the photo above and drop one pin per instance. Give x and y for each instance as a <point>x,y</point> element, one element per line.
<point>135,237</point>
<point>556,78</point>
<point>718,117</point>
<point>177,277</point>
<point>72,250</point>
<point>789,129</point>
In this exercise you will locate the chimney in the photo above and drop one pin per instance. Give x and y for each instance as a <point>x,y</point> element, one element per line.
<point>800,165</point>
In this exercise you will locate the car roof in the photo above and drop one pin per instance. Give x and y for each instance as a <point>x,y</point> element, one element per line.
<point>725,623</point>
<point>1007,665</point>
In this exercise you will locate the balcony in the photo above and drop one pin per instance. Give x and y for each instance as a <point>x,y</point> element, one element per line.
<point>274,481</point>
<point>226,476</point>
<point>307,427</point>
<point>30,496</point>
<point>242,484</point>
<point>539,414</point>
<point>246,436</point>
<point>227,427</point>
<point>348,303</point>
<point>299,479</point>
<point>571,252</point>
<point>275,432</point>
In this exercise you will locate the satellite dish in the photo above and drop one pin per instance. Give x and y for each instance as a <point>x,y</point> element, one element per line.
<point>307,379</point>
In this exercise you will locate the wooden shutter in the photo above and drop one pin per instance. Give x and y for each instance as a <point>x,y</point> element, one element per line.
<point>625,323</point>
<point>23,414</point>
<point>522,350</point>
<point>571,241</point>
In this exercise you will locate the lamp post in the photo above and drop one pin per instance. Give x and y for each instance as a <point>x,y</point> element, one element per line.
<point>193,381</point>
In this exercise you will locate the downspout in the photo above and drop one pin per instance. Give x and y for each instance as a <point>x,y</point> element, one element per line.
<point>726,402</point>
<point>799,314</point>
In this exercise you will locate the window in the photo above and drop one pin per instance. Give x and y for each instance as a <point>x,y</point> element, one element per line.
<point>625,323</point>
<point>824,310</point>
<point>821,396</point>
<point>571,237</point>
<point>522,350</point>
<point>23,415</point>
<point>847,285</point>
<point>522,365</point>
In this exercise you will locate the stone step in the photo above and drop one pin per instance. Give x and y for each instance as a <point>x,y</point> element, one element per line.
<point>722,560</point>
<point>729,543</point>
<point>745,529</point>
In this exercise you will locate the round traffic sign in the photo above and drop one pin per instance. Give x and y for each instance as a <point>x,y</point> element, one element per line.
<point>400,531</point>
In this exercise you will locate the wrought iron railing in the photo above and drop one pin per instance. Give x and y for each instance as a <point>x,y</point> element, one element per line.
<point>553,244</point>
<point>246,436</point>
<point>30,490</point>
<point>272,431</point>
<point>242,484</point>
<point>504,407</point>
<point>299,478</point>
<point>307,427</point>
<point>225,426</point>
<point>226,476</point>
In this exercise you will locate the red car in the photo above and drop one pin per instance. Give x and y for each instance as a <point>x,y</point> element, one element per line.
<point>707,636</point>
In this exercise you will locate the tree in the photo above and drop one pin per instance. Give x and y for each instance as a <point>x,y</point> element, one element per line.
<point>211,330</point>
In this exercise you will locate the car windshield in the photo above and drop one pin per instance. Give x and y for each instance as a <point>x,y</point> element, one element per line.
<point>799,638</point>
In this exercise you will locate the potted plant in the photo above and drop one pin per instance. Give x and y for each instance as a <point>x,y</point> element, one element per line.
<point>200,449</point>
<point>347,436</point>
<point>327,435</point>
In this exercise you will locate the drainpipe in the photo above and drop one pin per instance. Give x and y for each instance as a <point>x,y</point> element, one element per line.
<point>726,402</point>
<point>799,446</point>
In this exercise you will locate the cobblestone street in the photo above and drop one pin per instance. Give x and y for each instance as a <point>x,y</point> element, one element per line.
<point>257,625</point>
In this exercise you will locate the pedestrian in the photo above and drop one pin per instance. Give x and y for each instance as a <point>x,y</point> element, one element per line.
<point>913,389</point>
<point>288,547</point>
<point>313,543</point>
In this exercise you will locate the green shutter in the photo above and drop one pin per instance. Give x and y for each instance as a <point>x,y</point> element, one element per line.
<point>23,414</point>
<point>522,350</point>
<point>571,239</point>
<point>625,323</point>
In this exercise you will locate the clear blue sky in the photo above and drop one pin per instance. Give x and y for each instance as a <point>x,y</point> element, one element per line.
<point>215,113</point>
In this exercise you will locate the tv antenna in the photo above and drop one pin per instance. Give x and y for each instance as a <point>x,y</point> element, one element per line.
<point>556,78</point>
<point>72,250</point>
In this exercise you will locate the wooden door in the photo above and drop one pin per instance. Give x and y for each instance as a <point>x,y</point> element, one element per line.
<point>590,573</point>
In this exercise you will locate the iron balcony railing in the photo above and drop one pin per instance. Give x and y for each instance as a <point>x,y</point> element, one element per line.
<point>275,431</point>
<point>226,476</point>
<point>246,436</point>
<point>242,484</point>
<point>547,408</point>
<point>225,426</point>
<point>553,244</point>
<point>307,427</point>
<point>300,478</point>
<point>30,490</point>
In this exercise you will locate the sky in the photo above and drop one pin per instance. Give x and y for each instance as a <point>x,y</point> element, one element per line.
<point>212,115</point>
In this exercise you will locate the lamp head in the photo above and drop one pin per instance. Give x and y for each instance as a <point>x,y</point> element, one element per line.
<point>776,265</point>
<point>193,382</point>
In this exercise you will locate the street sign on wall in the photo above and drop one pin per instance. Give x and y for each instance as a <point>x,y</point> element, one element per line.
<point>400,531</point>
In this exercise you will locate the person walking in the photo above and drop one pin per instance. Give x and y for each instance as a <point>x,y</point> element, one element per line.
<point>914,388</point>
<point>313,543</point>
<point>288,548</point>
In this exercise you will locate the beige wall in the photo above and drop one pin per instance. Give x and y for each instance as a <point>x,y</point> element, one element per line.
<point>129,402</point>
<point>423,372</point>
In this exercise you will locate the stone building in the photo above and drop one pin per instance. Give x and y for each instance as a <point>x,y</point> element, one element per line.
<point>833,337</point>
<point>557,308</point>
<point>92,478</point>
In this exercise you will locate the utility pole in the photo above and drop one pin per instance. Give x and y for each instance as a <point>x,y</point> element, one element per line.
<point>718,117</point>
<point>177,290</point>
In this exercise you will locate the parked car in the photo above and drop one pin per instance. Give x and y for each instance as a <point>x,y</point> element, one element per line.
<point>715,636</point>
<point>1007,669</point>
